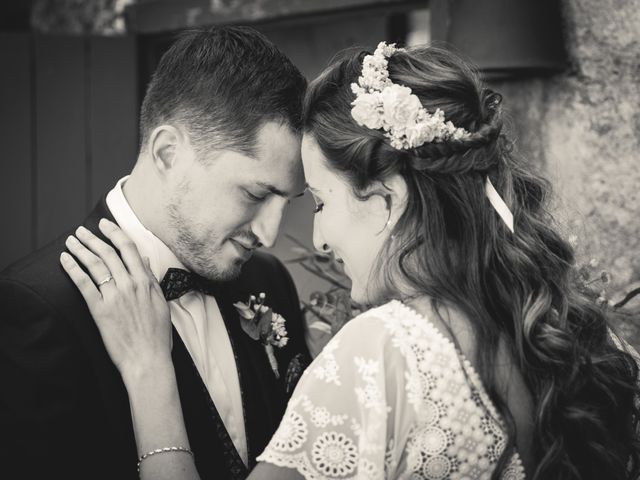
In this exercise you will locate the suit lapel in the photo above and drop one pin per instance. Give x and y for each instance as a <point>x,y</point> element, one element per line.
<point>259,389</point>
<point>210,440</point>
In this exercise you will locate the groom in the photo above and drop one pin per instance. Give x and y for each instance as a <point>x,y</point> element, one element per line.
<point>218,164</point>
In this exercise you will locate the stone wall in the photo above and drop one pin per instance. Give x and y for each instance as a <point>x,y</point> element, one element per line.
<point>583,128</point>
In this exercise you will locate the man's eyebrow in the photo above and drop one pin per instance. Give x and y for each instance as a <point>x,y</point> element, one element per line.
<point>277,191</point>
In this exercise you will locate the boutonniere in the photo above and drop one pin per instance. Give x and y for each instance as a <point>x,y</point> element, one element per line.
<point>264,325</point>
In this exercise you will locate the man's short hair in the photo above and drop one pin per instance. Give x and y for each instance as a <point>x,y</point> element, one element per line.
<point>222,84</point>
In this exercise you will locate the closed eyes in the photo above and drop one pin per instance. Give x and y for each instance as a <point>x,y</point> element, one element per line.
<point>318,208</point>
<point>254,198</point>
<point>319,205</point>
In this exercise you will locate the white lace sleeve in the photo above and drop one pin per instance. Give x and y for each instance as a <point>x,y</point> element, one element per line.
<point>335,425</point>
<point>390,397</point>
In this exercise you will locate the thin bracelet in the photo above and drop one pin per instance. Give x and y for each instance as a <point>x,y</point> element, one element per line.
<point>163,450</point>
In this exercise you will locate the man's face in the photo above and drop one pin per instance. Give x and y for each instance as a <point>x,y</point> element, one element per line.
<point>222,207</point>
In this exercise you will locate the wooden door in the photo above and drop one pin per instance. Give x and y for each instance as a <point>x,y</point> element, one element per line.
<point>69,124</point>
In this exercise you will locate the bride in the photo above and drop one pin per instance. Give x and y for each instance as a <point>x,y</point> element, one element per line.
<point>480,360</point>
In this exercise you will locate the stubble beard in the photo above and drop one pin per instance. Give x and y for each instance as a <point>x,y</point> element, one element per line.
<point>200,254</point>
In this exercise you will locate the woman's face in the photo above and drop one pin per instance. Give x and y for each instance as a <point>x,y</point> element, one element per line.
<point>353,229</point>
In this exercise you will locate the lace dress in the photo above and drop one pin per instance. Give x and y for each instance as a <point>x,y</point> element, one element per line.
<point>390,397</point>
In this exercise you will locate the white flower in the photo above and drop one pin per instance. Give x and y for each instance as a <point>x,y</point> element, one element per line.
<point>367,110</point>
<point>401,107</point>
<point>357,90</point>
<point>419,134</point>
<point>278,327</point>
<point>459,134</point>
<point>382,104</point>
<point>374,73</point>
<point>387,50</point>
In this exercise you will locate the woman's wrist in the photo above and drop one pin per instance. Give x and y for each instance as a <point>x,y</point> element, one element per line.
<point>146,372</point>
<point>155,408</point>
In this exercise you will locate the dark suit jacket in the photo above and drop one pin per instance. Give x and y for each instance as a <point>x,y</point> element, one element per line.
<point>64,410</point>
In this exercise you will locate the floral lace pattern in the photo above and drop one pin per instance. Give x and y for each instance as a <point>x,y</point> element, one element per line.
<point>327,368</point>
<point>390,397</point>
<point>334,454</point>
<point>292,432</point>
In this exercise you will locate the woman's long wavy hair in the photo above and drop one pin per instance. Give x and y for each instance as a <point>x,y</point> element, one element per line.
<point>517,288</point>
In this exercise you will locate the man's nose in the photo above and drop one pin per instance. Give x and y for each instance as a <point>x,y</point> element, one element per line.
<point>266,224</point>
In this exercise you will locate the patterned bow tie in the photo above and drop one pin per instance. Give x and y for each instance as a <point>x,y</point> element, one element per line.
<point>177,282</point>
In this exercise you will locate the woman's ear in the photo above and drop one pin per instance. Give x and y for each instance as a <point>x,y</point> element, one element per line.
<point>396,198</point>
<point>388,201</point>
<point>163,146</point>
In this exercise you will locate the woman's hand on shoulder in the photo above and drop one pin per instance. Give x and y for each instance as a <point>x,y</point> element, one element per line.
<point>123,297</point>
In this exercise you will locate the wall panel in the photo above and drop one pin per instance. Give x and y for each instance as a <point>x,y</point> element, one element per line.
<point>113,112</point>
<point>61,196</point>
<point>16,203</point>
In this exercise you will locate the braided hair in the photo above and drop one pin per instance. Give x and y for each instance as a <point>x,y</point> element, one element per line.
<point>451,245</point>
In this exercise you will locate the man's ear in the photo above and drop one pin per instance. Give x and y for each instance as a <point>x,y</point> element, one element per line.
<point>164,144</point>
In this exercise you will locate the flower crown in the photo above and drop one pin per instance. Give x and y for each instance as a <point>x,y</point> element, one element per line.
<point>382,104</point>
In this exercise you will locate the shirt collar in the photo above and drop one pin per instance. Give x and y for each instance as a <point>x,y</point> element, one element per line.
<point>161,258</point>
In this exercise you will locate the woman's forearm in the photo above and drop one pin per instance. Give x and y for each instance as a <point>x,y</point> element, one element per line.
<point>158,423</point>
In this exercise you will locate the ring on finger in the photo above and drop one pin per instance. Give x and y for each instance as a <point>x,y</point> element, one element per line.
<point>106,280</point>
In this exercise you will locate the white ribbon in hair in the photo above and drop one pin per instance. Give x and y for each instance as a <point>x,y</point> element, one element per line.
<point>499,205</point>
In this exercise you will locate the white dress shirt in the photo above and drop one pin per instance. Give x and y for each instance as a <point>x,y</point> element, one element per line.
<point>197,319</point>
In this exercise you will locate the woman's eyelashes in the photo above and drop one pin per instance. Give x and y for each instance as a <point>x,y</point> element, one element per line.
<point>319,204</point>
<point>318,208</point>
